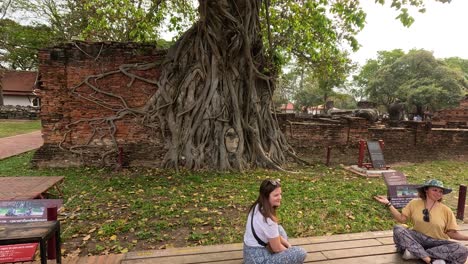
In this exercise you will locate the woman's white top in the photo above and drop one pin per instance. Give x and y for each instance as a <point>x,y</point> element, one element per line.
<point>264,230</point>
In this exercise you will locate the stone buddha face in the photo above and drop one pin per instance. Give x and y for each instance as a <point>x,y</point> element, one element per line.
<point>231,140</point>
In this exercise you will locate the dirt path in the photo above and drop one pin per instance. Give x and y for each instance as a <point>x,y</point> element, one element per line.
<point>11,146</point>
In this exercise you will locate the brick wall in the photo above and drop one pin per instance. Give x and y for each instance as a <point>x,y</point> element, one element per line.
<point>414,142</point>
<point>456,117</point>
<point>66,66</point>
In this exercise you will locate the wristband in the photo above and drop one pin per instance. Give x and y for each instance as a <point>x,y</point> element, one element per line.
<point>389,204</point>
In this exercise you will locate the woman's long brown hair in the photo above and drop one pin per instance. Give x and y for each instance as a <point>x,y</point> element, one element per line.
<point>263,200</point>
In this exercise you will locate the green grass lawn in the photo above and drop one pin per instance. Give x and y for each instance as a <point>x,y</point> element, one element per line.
<point>106,211</point>
<point>10,128</point>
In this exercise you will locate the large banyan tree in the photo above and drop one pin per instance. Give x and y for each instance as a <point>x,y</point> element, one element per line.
<point>214,98</point>
<point>215,93</point>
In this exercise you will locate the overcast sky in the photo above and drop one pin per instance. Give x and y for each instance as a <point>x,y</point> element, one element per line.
<point>442,29</point>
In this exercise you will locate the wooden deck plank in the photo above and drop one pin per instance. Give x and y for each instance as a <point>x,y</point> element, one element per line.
<point>358,252</point>
<point>393,258</point>
<point>185,259</point>
<point>386,240</point>
<point>238,247</point>
<point>341,237</point>
<point>236,252</point>
<point>358,248</point>
<point>341,245</point>
<point>184,251</point>
<point>311,244</point>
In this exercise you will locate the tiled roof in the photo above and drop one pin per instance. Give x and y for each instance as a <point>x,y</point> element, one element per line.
<point>288,106</point>
<point>18,82</point>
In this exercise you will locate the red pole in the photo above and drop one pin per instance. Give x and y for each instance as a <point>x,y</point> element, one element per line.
<point>362,146</point>
<point>51,216</point>
<point>461,202</point>
<point>328,155</point>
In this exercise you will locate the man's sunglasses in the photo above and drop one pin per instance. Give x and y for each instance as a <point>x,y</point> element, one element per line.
<point>275,182</point>
<point>426,215</point>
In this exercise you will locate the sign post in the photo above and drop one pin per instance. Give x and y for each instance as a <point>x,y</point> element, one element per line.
<point>461,202</point>
<point>51,216</point>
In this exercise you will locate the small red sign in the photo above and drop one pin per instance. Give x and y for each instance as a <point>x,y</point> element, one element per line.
<point>17,253</point>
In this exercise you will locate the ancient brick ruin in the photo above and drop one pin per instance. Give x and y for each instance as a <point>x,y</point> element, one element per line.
<point>66,66</point>
<point>456,117</point>
<point>414,142</point>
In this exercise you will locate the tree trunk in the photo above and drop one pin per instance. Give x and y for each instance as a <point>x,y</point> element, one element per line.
<point>214,98</point>
<point>419,110</point>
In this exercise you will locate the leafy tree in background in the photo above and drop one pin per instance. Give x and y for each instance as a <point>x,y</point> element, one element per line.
<point>434,86</point>
<point>103,20</point>
<point>20,44</point>
<point>287,85</point>
<point>459,64</point>
<point>307,96</point>
<point>344,101</point>
<point>139,20</point>
<point>382,92</point>
<point>417,78</point>
<point>219,77</point>
<point>310,91</point>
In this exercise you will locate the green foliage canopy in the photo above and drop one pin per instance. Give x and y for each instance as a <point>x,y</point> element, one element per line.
<point>316,32</point>
<point>416,77</point>
<point>21,43</point>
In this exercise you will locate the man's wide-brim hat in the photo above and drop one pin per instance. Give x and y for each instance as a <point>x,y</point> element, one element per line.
<point>435,183</point>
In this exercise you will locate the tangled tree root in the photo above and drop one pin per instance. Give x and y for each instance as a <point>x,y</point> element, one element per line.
<point>213,104</point>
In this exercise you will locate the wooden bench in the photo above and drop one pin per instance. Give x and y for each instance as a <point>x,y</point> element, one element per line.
<point>357,248</point>
<point>34,232</point>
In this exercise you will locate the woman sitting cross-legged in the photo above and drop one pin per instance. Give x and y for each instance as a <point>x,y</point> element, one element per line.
<point>265,241</point>
<point>433,225</point>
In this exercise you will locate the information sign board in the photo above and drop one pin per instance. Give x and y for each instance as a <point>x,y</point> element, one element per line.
<point>17,211</point>
<point>394,178</point>
<point>376,155</point>
<point>401,195</point>
<point>17,253</point>
<point>20,211</point>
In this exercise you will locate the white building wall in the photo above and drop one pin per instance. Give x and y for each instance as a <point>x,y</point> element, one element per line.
<point>16,100</point>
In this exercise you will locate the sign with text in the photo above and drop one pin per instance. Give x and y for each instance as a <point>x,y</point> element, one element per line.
<point>376,155</point>
<point>20,211</point>
<point>17,211</point>
<point>17,253</point>
<point>401,195</point>
<point>394,178</point>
